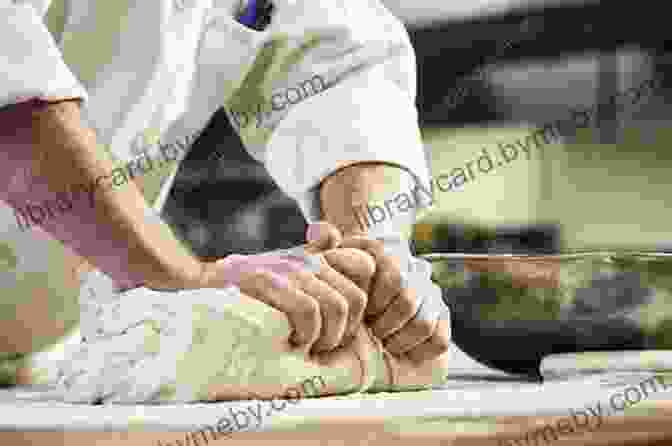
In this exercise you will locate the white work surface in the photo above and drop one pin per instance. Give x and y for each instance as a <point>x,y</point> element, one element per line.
<point>472,391</point>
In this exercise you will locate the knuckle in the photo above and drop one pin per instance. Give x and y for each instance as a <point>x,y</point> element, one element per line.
<point>303,275</point>
<point>407,303</point>
<point>372,246</point>
<point>262,277</point>
<point>393,346</point>
<point>424,328</point>
<point>352,262</point>
<point>253,282</point>
<point>389,279</point>
<point>363,261</point>
<point>441,341</point>
<point>421,355</point>
<point>375,244</point>
<point>309,310</point>
<point>367,260</point>
<point>338,308</point>
<point>379,303</point>
<point>358,301</point>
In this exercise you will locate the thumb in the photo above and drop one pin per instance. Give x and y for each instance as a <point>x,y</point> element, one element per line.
<point>322,236</point>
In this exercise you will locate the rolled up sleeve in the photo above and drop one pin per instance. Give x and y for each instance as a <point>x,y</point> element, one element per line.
<point>31,65</point>
<point>364,119</point>
<point>365,110</point>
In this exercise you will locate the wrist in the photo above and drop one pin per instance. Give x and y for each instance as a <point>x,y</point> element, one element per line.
<point>193,276</point>
<point>372,199</point>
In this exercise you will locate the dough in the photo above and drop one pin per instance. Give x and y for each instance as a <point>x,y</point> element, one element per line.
<point>148,346</point>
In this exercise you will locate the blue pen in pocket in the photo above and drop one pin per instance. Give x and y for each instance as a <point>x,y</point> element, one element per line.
<point>249,16</point>
<point>257,14</point>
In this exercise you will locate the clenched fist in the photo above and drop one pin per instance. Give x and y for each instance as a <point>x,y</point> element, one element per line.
<point>404,307</point>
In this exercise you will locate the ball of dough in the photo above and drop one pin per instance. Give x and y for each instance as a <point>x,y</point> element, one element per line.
<point>219,344</point>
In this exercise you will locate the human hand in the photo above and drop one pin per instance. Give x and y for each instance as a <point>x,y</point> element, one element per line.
<point>405,309</point>
<point>311,286</point>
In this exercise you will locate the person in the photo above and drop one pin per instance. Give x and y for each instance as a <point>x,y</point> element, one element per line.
<point>99,91</point>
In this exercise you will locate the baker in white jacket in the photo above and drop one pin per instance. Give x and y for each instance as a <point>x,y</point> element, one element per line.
<point>100,100</point>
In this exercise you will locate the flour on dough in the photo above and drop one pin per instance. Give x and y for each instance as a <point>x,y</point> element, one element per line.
<point>146,346</point>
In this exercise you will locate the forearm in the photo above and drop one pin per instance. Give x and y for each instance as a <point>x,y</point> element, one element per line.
<point>50,145</point>
<point>349,197</point>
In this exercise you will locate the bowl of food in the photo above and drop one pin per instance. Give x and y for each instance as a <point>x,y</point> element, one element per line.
<point>511,311</point>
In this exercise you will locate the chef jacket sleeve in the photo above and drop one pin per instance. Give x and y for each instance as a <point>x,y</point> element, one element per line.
<point>332,84</point>
<point>31,65</point>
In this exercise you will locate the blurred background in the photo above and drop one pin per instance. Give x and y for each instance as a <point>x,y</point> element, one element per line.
<point>517,65</point>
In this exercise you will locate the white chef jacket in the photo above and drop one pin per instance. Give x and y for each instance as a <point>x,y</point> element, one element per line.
<point>156,70</point>
<point>152,72</point>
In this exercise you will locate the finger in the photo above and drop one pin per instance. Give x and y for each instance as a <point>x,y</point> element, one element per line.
<point>387,282</point>
<point>333,308</point>
<point>354,264</point>
<point>397,314</point>
<point>321,236</point>
<point>435,346</point>
<point>302,310</point>
<point>354,296</point>
<point>422,325</point>
<point>419,329</point>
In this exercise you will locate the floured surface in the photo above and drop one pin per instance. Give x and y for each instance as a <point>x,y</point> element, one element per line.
<point>469,400</point>
<point>586,363</point>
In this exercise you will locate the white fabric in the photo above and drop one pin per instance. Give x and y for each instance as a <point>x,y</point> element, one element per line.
<point>162,70</point>
<point>319,136</point>
<point>153,72</point>
<point>31,63</point>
